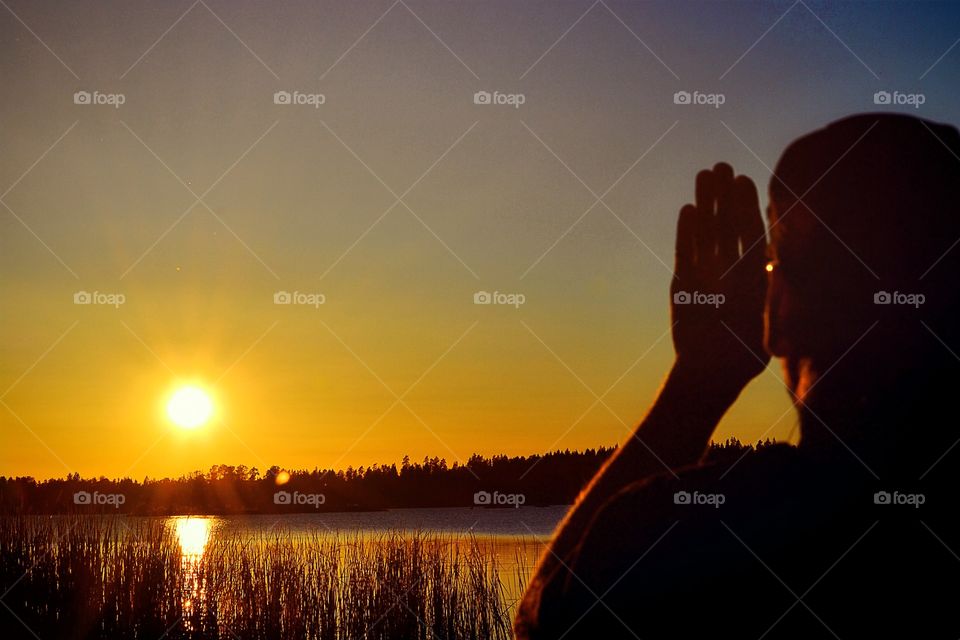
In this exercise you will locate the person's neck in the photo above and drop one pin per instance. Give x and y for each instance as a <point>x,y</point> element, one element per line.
<point>891,432</point>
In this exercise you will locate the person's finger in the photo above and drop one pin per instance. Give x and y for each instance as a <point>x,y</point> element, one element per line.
<point>725,223</point>
<point>705,233</point>
<point>685,254</point>
<point>723,174</point>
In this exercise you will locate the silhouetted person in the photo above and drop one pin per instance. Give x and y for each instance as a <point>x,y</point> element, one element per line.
<point>851,534</point>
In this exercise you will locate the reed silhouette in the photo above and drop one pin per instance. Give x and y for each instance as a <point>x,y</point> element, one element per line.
<point>849,534</point>
<point>101,578</point>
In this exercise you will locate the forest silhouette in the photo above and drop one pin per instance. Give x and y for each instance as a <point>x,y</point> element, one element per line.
<point>549,479</point>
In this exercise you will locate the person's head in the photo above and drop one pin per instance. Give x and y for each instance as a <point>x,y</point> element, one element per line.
<point>863,282</point>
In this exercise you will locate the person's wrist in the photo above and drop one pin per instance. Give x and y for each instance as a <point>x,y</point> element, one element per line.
<point>688,408</point>
<point>707,380</point>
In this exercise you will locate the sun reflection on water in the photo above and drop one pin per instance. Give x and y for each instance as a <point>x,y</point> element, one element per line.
<point>193,535</point>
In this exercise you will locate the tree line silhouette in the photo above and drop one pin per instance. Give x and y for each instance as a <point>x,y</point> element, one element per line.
<point>549,479</point>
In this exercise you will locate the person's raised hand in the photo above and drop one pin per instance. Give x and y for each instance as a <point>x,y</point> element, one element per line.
<point>719,284</point>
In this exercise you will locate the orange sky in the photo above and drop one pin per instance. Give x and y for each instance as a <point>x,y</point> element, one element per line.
<point>397,200</point>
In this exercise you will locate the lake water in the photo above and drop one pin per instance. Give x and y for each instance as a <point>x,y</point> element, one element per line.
<point>514,537</point>
<point>524,522</point>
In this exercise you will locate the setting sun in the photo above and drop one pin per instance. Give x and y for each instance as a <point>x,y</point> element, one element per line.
<point>190,407</point>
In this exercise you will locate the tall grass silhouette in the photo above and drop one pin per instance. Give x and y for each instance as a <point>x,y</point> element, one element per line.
<point>113,577</point>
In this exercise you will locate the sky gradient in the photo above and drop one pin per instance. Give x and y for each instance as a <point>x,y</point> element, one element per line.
<point>397,199</point>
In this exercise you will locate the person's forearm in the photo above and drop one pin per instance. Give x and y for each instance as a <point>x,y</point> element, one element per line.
<point>675,433</point>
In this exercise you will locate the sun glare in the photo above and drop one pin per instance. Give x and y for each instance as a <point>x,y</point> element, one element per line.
<point>190,407</point>
<point>192,534</point>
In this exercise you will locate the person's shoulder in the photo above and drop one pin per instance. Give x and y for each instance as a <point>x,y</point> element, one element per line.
<point>779,464</point>
<point>769,478</point>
